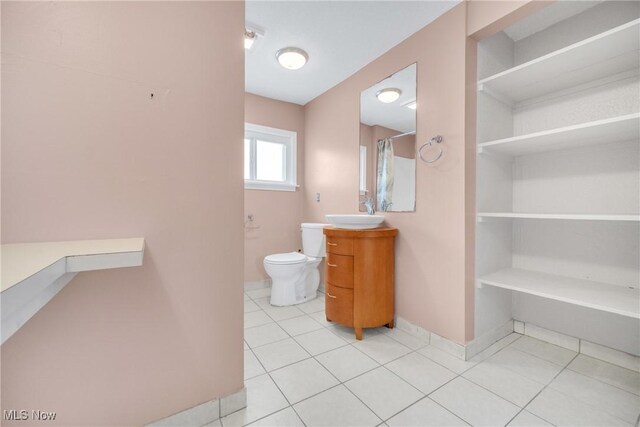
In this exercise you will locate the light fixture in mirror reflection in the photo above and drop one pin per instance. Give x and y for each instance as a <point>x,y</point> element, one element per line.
<point>388,144</point>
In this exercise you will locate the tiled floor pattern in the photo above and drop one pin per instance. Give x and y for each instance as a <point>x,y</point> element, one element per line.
<point>302,370</point>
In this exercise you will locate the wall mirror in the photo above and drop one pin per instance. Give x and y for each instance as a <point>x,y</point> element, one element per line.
<point>388,143</point>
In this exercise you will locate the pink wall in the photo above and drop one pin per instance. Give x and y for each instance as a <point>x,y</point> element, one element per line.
<point>431,286</point>
<point>87,153</point>
<point>277,213</point>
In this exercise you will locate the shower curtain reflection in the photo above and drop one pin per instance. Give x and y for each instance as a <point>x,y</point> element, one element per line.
<point>385,175</point>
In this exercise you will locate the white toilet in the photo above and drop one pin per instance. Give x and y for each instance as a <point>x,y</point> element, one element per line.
<point>295,276</point>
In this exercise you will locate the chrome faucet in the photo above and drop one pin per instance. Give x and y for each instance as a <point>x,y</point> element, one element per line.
<point>370,205</point>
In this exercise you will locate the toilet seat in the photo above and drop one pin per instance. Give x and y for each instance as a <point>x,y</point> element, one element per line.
<point>289,258</point>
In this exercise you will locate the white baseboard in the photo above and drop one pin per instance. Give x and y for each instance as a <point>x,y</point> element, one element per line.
<point>615,357</point>
<point>598,351</point>
<point>266,283</point>
<point>451,347</point>
<point>462,352</point>
<point>518,327</point>
<point>207,412</point>
<point>257,284</point>
<point>561,340</point>
<point>478,345</point>
<point>414,330</point>
<point>481,343</point>
<point>233,402</point>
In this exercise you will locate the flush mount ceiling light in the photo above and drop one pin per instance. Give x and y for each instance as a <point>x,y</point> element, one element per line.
<point>292,58</point>
<point>388,95</point>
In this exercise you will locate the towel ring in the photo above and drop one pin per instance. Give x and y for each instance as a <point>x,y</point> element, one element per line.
<point>436,139</point>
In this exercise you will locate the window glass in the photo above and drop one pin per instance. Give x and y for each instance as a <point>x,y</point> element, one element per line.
<point>270,161</point>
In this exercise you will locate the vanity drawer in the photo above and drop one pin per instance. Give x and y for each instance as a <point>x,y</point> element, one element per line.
<point>340,270</point>
<point>340,245</point>
<point>339,304</point>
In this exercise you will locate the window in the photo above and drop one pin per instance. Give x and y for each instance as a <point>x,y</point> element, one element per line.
<point>269,158</point>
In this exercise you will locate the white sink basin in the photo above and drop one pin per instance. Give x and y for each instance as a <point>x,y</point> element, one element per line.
<point>355,222</point>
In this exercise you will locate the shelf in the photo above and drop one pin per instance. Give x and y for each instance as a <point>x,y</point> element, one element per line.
<point>33,273</point>
<point>579,217</point>
<point>616,129</point>
<point>621,300</point>
<point>606,54</point>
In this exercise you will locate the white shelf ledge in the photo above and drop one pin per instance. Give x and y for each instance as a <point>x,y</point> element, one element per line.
<point>616,129</point>
<point>579,217</point>
<point>32,273</point>
<point>608,53</point>
<point>616,299</point>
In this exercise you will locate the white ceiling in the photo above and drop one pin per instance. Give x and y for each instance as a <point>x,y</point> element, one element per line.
<point>340,37</point>
<point>394,115</point>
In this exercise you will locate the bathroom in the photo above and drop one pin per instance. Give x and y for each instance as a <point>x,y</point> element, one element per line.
<point>513,294</point>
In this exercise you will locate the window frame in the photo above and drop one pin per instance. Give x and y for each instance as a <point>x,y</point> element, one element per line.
<point>281,136</point>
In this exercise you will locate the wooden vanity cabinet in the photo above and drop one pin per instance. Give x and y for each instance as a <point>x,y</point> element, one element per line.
<point>359,277</point>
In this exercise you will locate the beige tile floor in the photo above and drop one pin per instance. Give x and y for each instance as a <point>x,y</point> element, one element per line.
<point>301,370</point>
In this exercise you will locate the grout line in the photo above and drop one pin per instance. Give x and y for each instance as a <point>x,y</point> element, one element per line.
<point>460,375</point>
<point>543,389</point>
<point>599,380</point>
<point>449,411</point>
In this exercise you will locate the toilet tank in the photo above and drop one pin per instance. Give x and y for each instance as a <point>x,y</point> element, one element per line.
<point>313,242</point>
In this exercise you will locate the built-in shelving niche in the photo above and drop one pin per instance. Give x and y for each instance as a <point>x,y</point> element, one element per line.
<point>558,173</point>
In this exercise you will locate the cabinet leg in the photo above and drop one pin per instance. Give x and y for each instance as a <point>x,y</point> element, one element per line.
<point>390,325</point>
<point>328,320</point>
<point>358,333</point>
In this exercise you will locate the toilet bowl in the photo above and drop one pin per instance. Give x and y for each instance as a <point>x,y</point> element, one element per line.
<point>295,276</point>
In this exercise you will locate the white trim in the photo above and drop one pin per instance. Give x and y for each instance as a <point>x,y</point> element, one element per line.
<point>233,402</point>
<point>518,327</point>
<point>598,351</point>
<point>451,347</point>
<point>610,355</point>
<point>415,330</point>
<point>462,352</point>
<point>206,412</point>
<point>552,337</point>
<point>286,137</point>
<point>269,185</point>
<point>479,344</point>
<point>486,340</point>
<point>198,415</point>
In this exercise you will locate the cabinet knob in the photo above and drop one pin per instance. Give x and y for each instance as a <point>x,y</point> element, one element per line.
<point>332,244</point>
<point>330,296</point>
<point>332,265</point>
